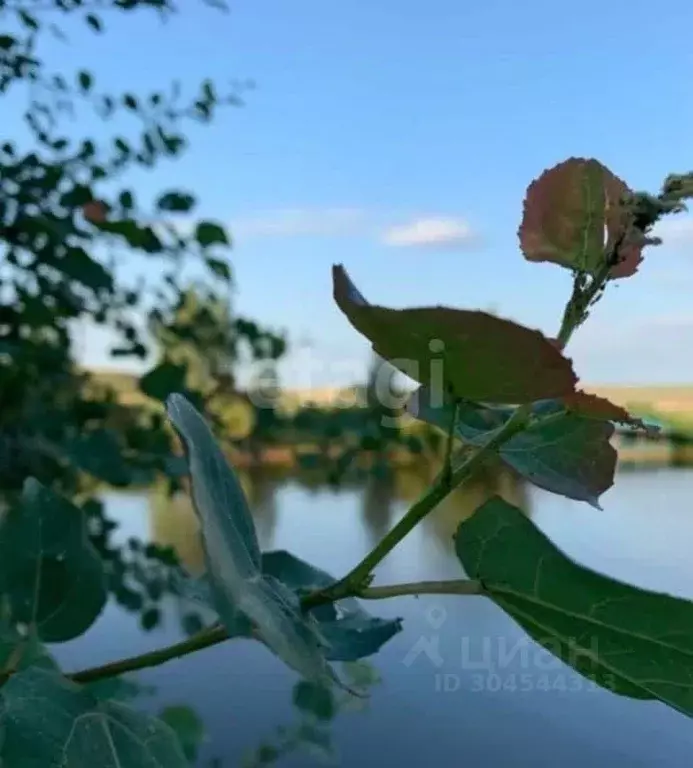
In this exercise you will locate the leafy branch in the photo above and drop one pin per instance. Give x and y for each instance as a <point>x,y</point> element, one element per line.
<point>510,395</point>
<point>211,636</point>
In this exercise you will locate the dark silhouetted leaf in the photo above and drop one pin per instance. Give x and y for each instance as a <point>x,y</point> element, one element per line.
<point>635,642</point>
<point>220,268</point>
<point>99,454</point>
<point>208,233</point>
<point>80,266</point>
<point>94,22</point>
<point>573,216</point>
<point>476,355</point>
<point>163,380</point>
<point>150,619</point>
<point>567,454</point>
<point>85,80</point>
<point>46,720</point>
<point>178,202</point>
<point>594,407</point>
<point>49,571</point>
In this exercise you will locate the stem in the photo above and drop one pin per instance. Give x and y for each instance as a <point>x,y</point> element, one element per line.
<point>204,639</point>
<point>358,578</point>
<point>457,587</point>
<point>447,461</point>
<point>218,634</point>
<point>579,302</point>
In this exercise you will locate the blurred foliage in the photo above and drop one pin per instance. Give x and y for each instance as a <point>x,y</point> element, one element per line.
<point>317,707</point>
<point>67,221</point>
<point>73,237</point>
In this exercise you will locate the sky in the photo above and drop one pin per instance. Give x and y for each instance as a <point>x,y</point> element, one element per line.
<point>398,138</point>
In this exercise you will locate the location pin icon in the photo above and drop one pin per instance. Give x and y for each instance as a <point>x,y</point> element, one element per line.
<point>436,616</point>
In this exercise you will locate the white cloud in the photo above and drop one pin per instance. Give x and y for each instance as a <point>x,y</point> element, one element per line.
<point>430,233</point>
<point>297,222</point>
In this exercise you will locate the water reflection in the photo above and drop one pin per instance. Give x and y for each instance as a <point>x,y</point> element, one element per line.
<point>381,500</point>
<point>242,693</point>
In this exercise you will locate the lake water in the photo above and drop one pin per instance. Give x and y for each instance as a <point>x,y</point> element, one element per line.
<point>464,701</point>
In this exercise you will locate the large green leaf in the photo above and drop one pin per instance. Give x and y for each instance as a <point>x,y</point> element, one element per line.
<point>50,573</point>
<point>568,454</point>
<point>233,557</point>
<point>471,354</point>
<point>635,642</point>
<point>47,721</point>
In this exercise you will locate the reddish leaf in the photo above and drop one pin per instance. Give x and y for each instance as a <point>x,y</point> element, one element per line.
<point>573,216</point>
<point>476,355</point>
<point>595,407</point>
<point>94,211</point>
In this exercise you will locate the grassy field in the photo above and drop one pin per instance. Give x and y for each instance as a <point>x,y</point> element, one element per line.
<point>673,403</point>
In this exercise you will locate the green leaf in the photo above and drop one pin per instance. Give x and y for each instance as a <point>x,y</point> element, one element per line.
<point>187,726</point>
<point>28,20</point>
<point>219,268</point>
<point>135,235</point>
<point>130,102</point>
<point>49,571</point>
<point>126,200</point>
<point>78,265</point>
<point>150,619</point>
<point>85,80</point>
<point>573,216</point>
<point>179,202</point>
<point>233,557</point>
<point>567,454</point>
<point>94,22</point>
<point>46,720</point>
<point>163,380</point>
<point>208,233</point>
<point>117,689</point>
<point>98,453</point>
<point>315,700</point>
<point>351,632</point>
<point>635,642</point>
<point>22,650</point>
<point>471,354</point>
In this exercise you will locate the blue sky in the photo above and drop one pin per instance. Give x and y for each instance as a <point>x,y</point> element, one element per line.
<point>398,137</point>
